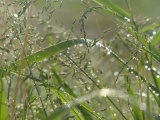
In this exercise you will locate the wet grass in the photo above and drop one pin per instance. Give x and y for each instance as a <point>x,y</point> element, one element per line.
<point>50,73</point>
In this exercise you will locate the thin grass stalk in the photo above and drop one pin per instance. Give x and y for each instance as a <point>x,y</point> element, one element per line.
<point>138,16</point>
<point>24,92</point>
<point>16,91</point>
<point>4,26</point>
<point>36,86</point>
<point>97,84</point>
<point>95,20</point>
<point>31,109</point>
<point>131,15</point>
<point>140,89</point>
<point>24,53</point>
<point>115,85</point>
<point>117,108</point>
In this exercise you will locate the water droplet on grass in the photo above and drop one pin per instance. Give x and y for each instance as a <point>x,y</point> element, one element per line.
<point>154,68</point>
<point>98,81</point>
<point>128,20</point>
<point>157,76</point>
<point>146,66</point>
<point>143,106</point>
<point>45,59</point>
<point>109,52</point>
<point>154,32</point>
<point>116,73</point>
<point>16,15</point>
<point>128,35</point>
<point>115,114</point>
<point>144,95</point>
<point>80,45</point>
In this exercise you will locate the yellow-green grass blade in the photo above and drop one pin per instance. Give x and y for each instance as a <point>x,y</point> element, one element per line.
<point>137,113</point>
<point>156,39</point>
<point>3,106</point>
<point>82,108</point>
<point>61,113</point>
<point>113,9</point>
<point>149,27</point>
<point>64,111</point>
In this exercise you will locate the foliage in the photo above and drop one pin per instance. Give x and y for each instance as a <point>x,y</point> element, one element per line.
<point>51,73</point>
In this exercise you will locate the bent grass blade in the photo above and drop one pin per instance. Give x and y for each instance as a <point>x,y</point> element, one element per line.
<point>113,9</point>
<point>39,56</point>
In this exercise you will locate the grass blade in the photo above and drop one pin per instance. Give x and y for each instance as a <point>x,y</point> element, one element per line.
<point>85,112</point>
<point>156,39</point>
<point>113,9</point>
<point>64,99</point>
<point>61,113</point>
<point>3,106</point>
<point>149,27</point>
<point>39,55</point>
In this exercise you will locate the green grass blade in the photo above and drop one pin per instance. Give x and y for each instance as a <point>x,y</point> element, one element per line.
<point>137,36</point>
<point>148,103</point>
<point>58,79</point>
<point>3,106</point>
<point>85,112</point>
<point>64,99</point>
<point>156,39</point>
<point>137,113</point>
<point>61,113</point>
<point>149,27</point>
<point>113,9</point>
<point>39,56</point>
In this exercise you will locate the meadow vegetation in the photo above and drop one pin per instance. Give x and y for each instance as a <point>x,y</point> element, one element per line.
<point>87,69</point>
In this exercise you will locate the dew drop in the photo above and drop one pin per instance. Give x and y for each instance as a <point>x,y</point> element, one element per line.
<point>154,32</point>
<point>99,44</point>
<point>154,68</point>
<point>15,15</point>
<point>128,35</point>
<point>146,61</point>
<point>116,73</point>
<point>128,20</point>
<point>157,76</point>
<point>146,66</point>
<point>108,53</point>
<point>80,45</point>
<point>144,95</point>
<point>143,106</point>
